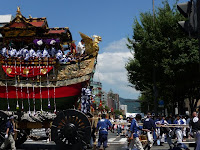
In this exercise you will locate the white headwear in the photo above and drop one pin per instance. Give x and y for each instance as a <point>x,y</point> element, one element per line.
<point>39,42</point>
<point>52,42</point>
<point>11,117</point>
<point>195,119</point>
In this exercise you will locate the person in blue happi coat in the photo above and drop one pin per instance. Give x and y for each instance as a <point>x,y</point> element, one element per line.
<point>150,127</point>
<point>178,130</point>
<point>103,126</point>
<point>135,133</point>
<point>179,133</point>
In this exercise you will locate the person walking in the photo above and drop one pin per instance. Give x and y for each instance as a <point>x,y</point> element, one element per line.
<point>195,128</point>
<point>150,126</point>
<point>9,137</point>
<point>119,127</point>
<point>102,127</point>
<point>178,130</point>
<point>135,141</point>
<point>184,129</point>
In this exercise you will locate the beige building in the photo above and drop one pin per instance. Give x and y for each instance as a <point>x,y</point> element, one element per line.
<point>187,105</point>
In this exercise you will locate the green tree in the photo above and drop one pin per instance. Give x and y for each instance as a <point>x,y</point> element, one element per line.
<point>107,108</point>
<point>117,112</point>
<point>161,50</point>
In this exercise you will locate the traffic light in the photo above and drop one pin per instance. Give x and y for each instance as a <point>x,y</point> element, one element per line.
<point>189,11</point>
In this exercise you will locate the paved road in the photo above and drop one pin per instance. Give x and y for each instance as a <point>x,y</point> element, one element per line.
<point>115,143</point>
<point>120,143</point>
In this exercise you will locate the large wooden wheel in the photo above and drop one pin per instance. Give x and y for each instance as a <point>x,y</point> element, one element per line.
<point>22,136</point>
<point>71,129</point>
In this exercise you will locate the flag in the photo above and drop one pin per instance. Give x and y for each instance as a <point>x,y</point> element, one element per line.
<point>100,104</point>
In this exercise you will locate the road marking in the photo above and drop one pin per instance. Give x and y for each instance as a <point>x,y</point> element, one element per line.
<point>111,139</point>
<point>29,140</point>
<point>123,140</point>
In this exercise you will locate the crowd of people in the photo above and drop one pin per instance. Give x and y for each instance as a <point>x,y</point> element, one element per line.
<point>40,50</point>
<point>160,129</point>
<point>156,130</point>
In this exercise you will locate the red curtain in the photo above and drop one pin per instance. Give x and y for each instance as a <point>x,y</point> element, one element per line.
<point>30,71</point>
<point>64,91</point>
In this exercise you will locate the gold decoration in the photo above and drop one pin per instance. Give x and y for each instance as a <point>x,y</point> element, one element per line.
<point>38,78</point>
<point>8,70</point>
<point>25,71</point>
<point>17,33</point>
<point>91,45</point>
<point>74,71</point>
<point>44,71</point>
<point>18,79</point>
<point>18,10</point>
<point>18,15</point>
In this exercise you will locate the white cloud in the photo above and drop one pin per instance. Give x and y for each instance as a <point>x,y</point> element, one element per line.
<point>111,69</point>
<point>117,46</point>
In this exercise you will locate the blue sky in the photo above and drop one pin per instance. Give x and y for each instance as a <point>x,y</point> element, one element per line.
<point>111,19</point>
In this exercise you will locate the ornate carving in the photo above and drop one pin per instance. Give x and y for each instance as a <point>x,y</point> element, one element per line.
<point>8,70</point>
<point>74,70</point>
<point>25,71</point>
<point>91,45</point>
<point>18,15</point>
<point>44,71</point>
<point>18,10</point>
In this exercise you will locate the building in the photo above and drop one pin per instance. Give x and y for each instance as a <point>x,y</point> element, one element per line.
<point>117,104</point>
<point>123,108</point>
<point>97,91</point>
<point>133,105</point>
<point>113,100</point>
<point>104,98</point>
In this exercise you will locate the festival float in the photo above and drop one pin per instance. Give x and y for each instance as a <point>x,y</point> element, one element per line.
<point>43,92</point>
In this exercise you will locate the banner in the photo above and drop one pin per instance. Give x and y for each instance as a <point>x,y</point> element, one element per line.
<point>23,71</point>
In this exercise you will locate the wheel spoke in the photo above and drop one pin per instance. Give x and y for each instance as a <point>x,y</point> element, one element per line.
<point>71,128</point>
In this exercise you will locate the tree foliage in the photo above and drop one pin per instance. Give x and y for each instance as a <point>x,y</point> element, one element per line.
<point>161,50</point>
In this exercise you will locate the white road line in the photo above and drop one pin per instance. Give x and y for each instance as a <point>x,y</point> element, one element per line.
<point>123,140</point>
<point>29,140</point>
<point>111,139</point>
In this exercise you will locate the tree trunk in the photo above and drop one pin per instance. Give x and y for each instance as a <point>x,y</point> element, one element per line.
<point>193,104</point>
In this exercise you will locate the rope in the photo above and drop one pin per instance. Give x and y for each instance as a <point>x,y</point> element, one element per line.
<point>54,90</point>
<point>21,87</point>
<point>33,92</point>
<point>7,91</point>
<point>40,89</point>
<point>16,83</point>
<point>49,103</point>
<point>29,106</point>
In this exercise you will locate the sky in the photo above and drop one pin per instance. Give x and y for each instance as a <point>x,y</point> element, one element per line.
<point>110,19</point>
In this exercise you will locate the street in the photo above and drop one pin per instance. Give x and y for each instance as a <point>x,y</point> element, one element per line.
<point>114,143</point>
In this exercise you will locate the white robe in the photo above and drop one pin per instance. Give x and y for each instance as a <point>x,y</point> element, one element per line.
<point>32,53</point>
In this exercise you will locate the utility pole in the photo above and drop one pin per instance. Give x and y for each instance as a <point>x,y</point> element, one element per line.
<point>154,70</point>
<point>153,11</point>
